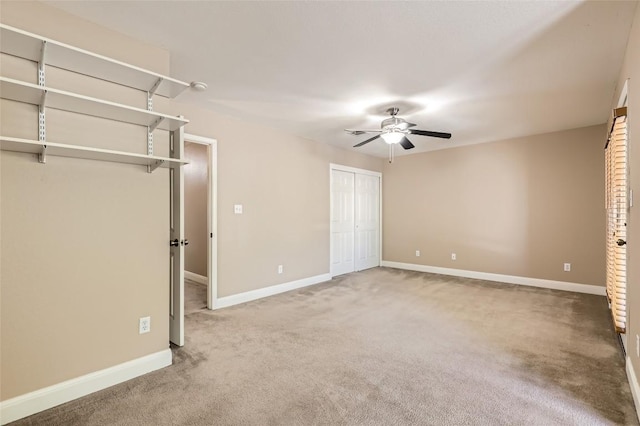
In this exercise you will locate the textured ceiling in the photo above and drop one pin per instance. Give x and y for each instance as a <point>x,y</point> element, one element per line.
<point>481,70</point>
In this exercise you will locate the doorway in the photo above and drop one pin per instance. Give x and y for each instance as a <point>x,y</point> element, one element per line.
<point>196,189</point>
<point>200,208</point>
<point>356,235</point>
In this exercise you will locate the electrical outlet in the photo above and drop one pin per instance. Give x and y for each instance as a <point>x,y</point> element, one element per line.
<point>280,269</point>
<point>567,267</point>
<point>453,256</point>
<point>237,208</point>
<point>145,325</point>
<point>417,253</point>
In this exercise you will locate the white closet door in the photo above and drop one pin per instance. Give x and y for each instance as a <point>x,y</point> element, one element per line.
<point>367,221</point>
<point>342,222</point>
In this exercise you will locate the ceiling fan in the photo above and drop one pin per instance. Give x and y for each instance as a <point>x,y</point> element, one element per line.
<point>394,130</point>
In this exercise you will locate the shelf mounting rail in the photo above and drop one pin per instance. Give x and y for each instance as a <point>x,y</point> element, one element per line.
<point>42,124</point>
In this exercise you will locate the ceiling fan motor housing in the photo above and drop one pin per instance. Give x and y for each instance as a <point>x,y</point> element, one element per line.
<point>394,122</point>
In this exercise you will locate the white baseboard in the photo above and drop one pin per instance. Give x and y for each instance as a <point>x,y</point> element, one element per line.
<point>633,383</point>
<point>43,399</point>
<point>200,279</point>
<point>511,279</point>
<point>248,296</point>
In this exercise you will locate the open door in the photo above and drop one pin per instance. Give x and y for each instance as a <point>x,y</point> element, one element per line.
<point>177,242</point>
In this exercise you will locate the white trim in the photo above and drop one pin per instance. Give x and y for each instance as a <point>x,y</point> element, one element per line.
<point>45,398</point>
<point>622,100</point>
<point>510,279</point>
<point>200,279</point>
<point>340,167</point>
<point>188,137</point>
<point>248,296</point>
<point>380,218</point>
<point>633,384</point>
<point>212,216</point>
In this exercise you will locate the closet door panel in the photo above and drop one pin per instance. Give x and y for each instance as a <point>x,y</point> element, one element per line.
<point>367,221</point>
<point>342,222</point>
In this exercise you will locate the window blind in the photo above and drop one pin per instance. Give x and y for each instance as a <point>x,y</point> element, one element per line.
<point>616,208</point>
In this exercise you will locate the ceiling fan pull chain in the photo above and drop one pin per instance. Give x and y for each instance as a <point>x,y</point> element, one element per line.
<point>391,153</point>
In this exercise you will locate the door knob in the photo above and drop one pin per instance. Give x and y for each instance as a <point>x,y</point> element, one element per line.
<point>621,242</point>
<point>174,243</point>
<point>185,242</point>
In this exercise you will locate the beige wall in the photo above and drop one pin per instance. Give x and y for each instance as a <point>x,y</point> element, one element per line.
<point>282,181</point>
<point>84,248</point>
<point>517,207</point>
<point>79,241</point>
<point>196,191</point>
<point>83,244</point>
<point>631,71</point>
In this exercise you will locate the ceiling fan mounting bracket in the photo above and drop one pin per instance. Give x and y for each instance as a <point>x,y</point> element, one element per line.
<point>393,111</point>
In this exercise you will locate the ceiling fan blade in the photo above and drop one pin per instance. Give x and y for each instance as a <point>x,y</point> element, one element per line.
<point>406,143</point>
<point>361,132</point>
<point>430,133</point>
<point>367,141</point>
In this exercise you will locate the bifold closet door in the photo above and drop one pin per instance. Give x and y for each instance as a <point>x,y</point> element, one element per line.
<point>355,222</point>
<point>367,221</point>
<point>342,222</point>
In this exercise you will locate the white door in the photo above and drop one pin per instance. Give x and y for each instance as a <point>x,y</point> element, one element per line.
<point>355,221</point>
<point>367,221</point>
<point>342,222</point>
<point>176,235</point>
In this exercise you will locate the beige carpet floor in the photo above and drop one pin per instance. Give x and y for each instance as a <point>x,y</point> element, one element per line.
<point>195,296</point>
<point>382,347</point>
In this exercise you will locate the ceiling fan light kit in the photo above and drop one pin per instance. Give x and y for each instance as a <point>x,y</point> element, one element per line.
<point>394,130</point>
<point>392,137</point>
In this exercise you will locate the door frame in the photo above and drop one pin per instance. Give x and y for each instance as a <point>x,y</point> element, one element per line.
<point>212,215</point>
<point>340,167</point>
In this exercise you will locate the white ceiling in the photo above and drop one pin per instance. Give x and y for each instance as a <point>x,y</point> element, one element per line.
<point>482,70</point>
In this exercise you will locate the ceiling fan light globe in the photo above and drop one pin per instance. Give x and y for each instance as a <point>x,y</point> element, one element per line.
<point>392,137</point>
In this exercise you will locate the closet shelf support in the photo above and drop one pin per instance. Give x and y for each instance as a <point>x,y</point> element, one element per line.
<point>42,156</point>
<point>152,167</point>
<point>152,92</point>
<point>150,130</point>
<point>149,141</point>
<point>41,64</point>
<point>42,123</point>
<point>155,124</point>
